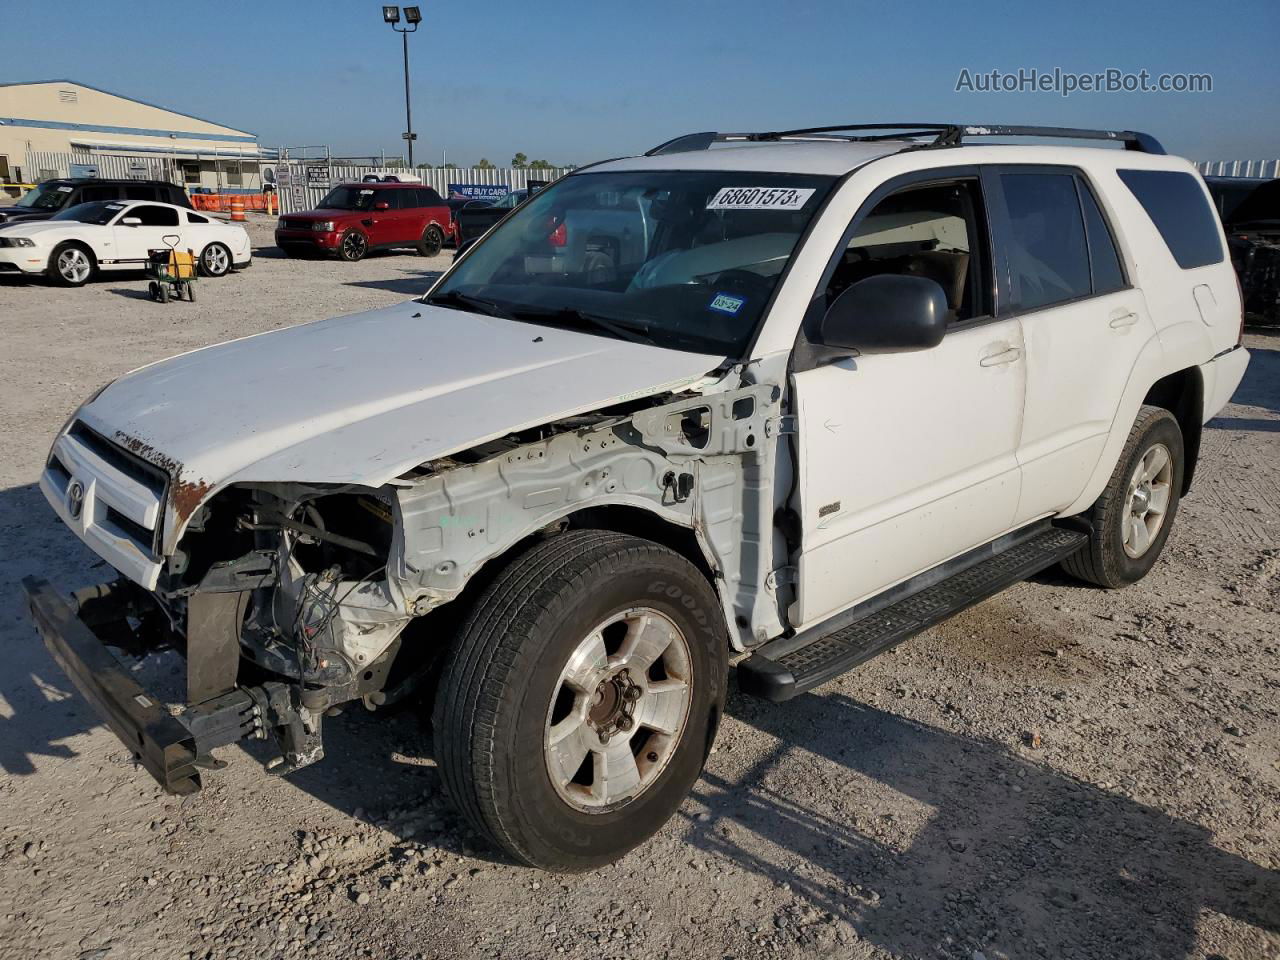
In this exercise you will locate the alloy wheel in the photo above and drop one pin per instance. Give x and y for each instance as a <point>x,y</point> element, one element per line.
<point>354,245</point>
<point>619,710</point>
<point>74,265</point>
<point>1150,491</point>
<point>215,260</point>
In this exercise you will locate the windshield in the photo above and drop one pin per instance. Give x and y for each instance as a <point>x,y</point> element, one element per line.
<point>46,196</point>
<point>348,198</point>
<point>682,259</point>
<point>99,212</point>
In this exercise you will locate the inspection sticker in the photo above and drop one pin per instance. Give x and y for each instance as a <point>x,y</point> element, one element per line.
<point>727,304</point>
<point>760,198</point>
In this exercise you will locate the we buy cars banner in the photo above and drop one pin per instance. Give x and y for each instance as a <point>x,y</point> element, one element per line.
<point>479,191</point>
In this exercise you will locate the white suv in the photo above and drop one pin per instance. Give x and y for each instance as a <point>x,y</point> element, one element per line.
<point>781,400</point>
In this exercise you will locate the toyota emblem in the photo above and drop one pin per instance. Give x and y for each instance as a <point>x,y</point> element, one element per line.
<point>75,499</point>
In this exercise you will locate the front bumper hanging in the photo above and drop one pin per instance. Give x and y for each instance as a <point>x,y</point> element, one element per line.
<point>173,749</point>
<point>159,741</point>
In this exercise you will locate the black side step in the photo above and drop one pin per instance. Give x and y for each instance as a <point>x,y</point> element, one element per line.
<point>783,668</point>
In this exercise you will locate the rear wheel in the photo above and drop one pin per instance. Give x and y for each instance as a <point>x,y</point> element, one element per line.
<point>215,260</point>
<point>71,265</point>
<point>431,242</point>
<point>580,702</point>
<point>1132,519</point>
<point>353,246</point>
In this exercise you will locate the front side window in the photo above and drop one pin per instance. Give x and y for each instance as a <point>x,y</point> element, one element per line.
<point>140,193</point>
<point>97,194</point>
<point>933,231</point>
<point>681,259</point>
<point>349,198</point>
<point>152,216</point>
<point>1177,206</point>
<point>1046,248</point>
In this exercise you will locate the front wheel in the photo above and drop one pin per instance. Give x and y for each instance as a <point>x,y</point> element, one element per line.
<point>582,698</point>
<point>1132,519</point>
<point>353,246</point>
<point>71,265</point>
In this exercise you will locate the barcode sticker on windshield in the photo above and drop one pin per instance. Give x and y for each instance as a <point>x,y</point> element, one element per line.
<point>760,198</point>
<point>64,189</point>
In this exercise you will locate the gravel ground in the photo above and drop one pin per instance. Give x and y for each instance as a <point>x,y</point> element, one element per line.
<point>1059,772</point>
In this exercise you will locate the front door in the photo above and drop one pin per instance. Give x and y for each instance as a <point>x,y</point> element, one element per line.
<point>908,459</point>
<point>158,229</point>
<point>1083,324</point>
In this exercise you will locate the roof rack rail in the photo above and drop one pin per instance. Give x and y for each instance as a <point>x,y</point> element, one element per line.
<point>944,134</point>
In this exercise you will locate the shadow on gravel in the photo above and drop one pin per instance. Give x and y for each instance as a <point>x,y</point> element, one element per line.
<point>133,293</point>
<point>1261,384</point>
<point>415,285</point>
<point>1245,423</point>
<point>38,706</point>
<point>1013,857</point>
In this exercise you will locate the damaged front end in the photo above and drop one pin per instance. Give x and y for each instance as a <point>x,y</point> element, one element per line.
<point>289,600</point>
<point>304,618</point>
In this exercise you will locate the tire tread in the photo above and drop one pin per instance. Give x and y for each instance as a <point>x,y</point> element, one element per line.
<point>1093,563</point>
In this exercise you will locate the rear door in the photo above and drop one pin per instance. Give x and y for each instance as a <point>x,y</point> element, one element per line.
<point>908,459</point>
<point>409,215</point>
<point>1083,325</point>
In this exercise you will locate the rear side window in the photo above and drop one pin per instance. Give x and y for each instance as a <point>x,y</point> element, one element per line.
<point>1104,262</point>
<point>429,198</point>
<point>1047,251</point>
<point>196,218</point>
<point>1177,206</point>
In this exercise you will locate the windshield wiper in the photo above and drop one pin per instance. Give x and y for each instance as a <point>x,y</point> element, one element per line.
<point>465,301</point>
<point>636,333</point>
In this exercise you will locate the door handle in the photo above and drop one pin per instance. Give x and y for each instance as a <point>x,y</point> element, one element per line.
<point>1007,355</point>
<point>1121,320</point>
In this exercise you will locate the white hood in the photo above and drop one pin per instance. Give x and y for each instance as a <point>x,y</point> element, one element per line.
<point>365,398</point>
<point>41,231</point>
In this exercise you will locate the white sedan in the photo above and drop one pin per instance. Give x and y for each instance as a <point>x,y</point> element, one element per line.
<point>117,235</point>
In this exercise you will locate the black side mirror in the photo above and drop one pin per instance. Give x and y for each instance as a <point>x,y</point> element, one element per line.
<point>887,313</point>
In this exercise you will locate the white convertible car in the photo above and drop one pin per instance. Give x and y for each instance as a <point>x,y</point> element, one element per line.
<point>117,235</point>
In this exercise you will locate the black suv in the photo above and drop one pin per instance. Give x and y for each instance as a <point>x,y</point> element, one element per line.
<point>44,200</point>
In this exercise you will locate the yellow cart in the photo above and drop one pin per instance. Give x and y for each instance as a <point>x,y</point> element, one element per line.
<point>172,273</point>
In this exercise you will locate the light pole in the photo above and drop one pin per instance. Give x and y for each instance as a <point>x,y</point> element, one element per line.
<point>412,17</point>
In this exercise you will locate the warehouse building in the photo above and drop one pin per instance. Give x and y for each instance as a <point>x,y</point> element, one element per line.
<point>60,128</point>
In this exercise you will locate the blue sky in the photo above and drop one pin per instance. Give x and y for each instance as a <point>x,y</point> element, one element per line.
<point>583,81</point>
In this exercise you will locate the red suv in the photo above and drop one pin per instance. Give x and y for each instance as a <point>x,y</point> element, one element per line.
<point>358,217</point>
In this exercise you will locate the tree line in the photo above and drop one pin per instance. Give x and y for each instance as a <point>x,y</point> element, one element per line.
<point>519,162</point>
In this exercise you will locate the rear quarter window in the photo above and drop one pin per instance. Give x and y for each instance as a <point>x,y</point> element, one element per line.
<point>1177,205</point>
